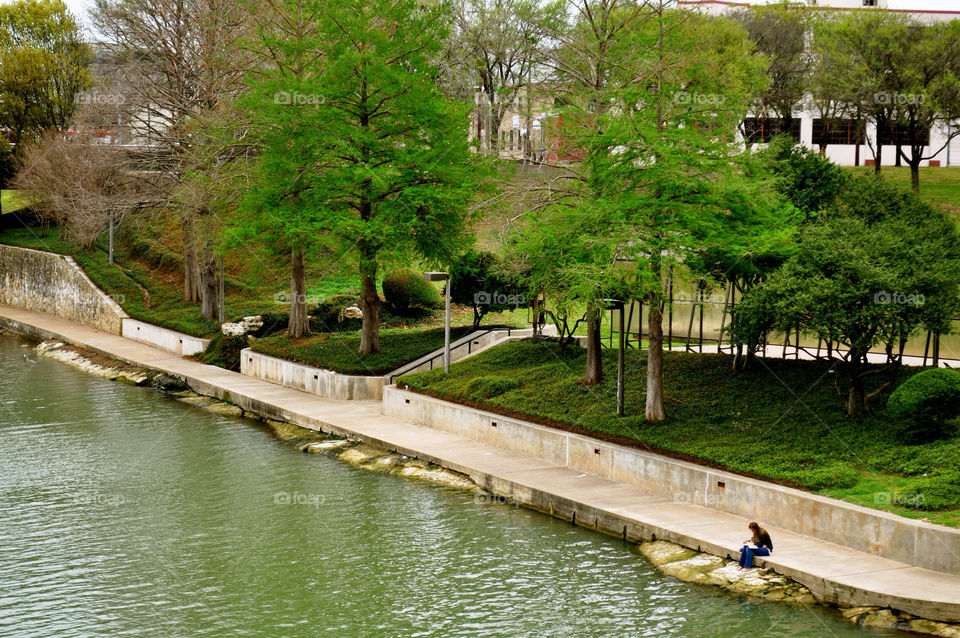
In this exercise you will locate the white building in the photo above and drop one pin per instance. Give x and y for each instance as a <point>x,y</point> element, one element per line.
<point>841,142</point>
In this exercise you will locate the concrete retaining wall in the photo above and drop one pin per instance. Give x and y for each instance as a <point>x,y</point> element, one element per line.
<point>333,385</point>
<point>913,542</point>
<point>169,340</point>
<point>56,285</point>
<point>324,383</point>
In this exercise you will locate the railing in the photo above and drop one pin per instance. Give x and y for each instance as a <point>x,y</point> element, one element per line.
<point>468,343</point>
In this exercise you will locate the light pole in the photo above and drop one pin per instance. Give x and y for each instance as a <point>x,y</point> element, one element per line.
<point>618,304</point>
<point>442,276</point>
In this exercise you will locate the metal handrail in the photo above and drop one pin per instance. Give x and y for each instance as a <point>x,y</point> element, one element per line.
<point>469,344</point>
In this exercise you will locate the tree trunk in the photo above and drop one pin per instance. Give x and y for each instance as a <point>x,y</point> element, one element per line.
<point>369,303</point>
<point>654,407</point>
<point>594,369</point>
<point>878,158</point>
<point>299,323</point>
<point>915,176</point>
<point>209,285</point>
<point>191,263</point>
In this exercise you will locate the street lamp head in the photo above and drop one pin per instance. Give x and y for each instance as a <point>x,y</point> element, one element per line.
<point>436,276</point>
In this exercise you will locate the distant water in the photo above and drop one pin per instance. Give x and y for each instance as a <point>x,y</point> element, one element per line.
<point>126,513</point>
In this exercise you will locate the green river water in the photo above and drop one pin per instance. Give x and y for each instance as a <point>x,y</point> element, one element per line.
<point>126,513</point>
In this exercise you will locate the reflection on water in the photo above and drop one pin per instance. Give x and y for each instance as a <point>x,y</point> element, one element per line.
<point>127,513</point>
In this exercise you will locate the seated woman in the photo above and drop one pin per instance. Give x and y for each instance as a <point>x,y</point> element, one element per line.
<point>759,545</point>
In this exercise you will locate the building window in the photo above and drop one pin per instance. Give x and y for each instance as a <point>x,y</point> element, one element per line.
<point>893,135</point>
<point>836,132</point>
<point>511,139</point>
<point>762,130</point>
<point>869,3</point>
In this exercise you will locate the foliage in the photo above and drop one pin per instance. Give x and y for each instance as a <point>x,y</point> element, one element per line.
<point>338,351</point>
<point>749,423</point>
<point>895,70</point>
<point>806,179</point>
<point>489,386</point>
<point>880,266</point>
<point>657,184</point>
<point>479,280</point>
<point>406,290</point>
<point>780,32</point>
<point>926,403</point>
<point>224,351</point>
<point>381,170</point>
<point>329,314</point>
<point>43,68</point>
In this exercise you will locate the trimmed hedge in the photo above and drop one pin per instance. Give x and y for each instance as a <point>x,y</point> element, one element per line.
<point>406,289</point>
<point>926,403</point>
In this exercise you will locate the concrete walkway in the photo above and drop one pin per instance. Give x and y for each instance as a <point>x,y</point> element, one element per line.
<point>834,573</point>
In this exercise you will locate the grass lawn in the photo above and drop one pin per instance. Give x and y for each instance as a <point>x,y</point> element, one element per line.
<point>938,185</point>
<point>751,423</point>
<point>12,201</point>
<point>337,351</point>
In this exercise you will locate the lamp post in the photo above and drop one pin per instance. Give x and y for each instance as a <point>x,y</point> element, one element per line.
<point>442,276</point>
<point>618,304</point>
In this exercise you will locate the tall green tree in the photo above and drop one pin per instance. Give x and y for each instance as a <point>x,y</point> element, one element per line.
<point>780,32</point>
<point>43,68</point>
<point>360,154</point>
<point>899,73</point>
<point>659,177</point>
<point>879,266</point>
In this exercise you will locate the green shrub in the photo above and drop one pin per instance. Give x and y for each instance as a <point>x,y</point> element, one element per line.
<point>327,314</point>
<point>406,290</point>
<point>490,386</point>
<point>925,404</point>
<point>273,322</point>
<point>224,351</point>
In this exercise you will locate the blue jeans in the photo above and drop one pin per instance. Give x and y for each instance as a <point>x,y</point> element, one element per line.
<point>747,554</point>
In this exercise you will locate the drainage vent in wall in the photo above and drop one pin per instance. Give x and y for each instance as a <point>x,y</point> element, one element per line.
<point>721,485</point>
<point>596,450</point>
<point>493,424</point>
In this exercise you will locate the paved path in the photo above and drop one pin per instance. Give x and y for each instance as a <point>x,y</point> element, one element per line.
<point>838,574</point>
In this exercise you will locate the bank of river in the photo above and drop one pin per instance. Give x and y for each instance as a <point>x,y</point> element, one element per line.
<point>126,511</point>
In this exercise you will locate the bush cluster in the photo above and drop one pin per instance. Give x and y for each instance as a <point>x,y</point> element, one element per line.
<point>407,292</point>
<point>927,404</point>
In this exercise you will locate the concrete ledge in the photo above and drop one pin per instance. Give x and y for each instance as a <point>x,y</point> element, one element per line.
<point>163,338</point>
<point>323,383</point>
<point>880,533</point>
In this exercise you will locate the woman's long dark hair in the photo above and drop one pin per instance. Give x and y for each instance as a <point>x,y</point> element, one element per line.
<point>757,530</point>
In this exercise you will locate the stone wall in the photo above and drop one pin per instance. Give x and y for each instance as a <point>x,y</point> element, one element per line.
<point>55,285</point>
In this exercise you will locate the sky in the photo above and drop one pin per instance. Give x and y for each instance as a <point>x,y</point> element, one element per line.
<point>80,7</point>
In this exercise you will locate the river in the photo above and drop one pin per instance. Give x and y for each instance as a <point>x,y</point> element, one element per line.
<point>124,512</point>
